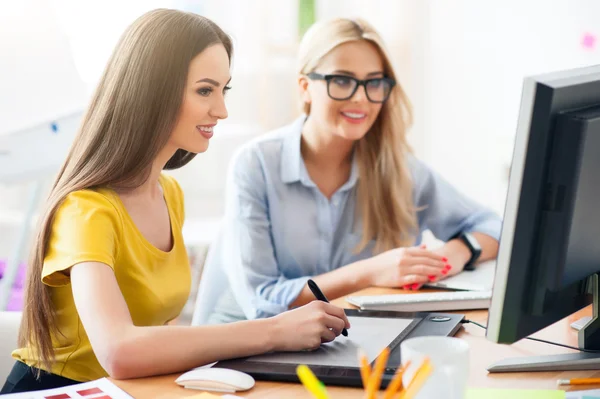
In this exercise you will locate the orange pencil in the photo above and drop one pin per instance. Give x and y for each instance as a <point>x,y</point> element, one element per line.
<point>418,380</point>
<point>579,381</point>
<point>375,379</point>
<point>365,368</point>
<point>396,383</point>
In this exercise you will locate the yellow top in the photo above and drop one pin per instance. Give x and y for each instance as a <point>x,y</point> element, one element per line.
<point>93,225</point>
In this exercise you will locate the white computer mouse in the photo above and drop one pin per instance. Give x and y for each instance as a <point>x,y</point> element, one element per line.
<point>216,379</point>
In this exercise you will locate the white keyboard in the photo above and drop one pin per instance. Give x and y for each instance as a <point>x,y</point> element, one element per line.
<point>425,302</point>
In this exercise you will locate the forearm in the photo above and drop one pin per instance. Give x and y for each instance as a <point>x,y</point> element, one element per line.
<point>337,283</point>
<point>147,351</point>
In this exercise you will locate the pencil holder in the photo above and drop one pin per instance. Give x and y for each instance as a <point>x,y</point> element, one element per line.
<point>448,355</point>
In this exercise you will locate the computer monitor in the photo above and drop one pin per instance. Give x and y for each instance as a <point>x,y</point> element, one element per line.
<point>549,253</point>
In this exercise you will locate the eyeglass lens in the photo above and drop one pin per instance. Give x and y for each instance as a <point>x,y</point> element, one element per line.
<point>342,88</point>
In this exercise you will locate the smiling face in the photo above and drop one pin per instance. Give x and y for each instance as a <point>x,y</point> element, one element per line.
<point>352,118</point>
<point>204,100</point>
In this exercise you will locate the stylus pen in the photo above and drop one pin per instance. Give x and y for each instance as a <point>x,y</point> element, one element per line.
<point>321,297</point>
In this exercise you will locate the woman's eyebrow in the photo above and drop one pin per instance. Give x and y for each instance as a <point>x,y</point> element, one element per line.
<point>353,74</point>
<point>212,82</point>
<point>208,80</point>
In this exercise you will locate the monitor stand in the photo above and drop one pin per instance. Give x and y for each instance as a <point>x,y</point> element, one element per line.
<point>589,338</point>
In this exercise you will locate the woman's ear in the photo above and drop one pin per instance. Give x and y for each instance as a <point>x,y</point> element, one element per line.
<point>303,86</point>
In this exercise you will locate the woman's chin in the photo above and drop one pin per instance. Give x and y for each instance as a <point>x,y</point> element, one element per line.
<point>198,148</point>
<point>353,135</point>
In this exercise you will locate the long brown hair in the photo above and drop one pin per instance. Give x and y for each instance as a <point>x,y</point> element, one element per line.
<point>384,190</point>
<point>129,120</point>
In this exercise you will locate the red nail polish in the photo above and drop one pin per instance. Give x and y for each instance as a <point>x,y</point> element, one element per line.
<point>448,267</point>
<point>431,278</point>
<point>444,259</point>
<point>406,287</point>
<point>445,271</point>
<point>415,286</point>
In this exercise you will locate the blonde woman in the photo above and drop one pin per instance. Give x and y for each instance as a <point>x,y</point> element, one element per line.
<point>337,196</point>
<point>109,268</point>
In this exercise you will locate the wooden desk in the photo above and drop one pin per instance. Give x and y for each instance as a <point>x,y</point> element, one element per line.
<point>483,353</point>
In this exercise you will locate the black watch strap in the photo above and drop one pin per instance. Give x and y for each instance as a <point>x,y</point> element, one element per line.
<point>471,242</point>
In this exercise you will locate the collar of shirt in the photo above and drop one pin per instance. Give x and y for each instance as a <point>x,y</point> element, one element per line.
<point>293,168</point>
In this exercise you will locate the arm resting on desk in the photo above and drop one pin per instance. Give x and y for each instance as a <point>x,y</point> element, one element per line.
<point>394,268</point>
<point>128,351</point>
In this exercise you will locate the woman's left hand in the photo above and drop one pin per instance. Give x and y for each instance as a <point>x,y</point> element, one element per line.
<point>457,254</point>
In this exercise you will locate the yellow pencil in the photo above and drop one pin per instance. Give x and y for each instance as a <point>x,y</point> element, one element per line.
<point>396,384</point>
<point>365,368</point>
<point>311,383</point>
<point>418,380</point>
<point>375,378</point>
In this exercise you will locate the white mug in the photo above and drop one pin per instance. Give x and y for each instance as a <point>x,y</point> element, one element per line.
<point>450,360</point>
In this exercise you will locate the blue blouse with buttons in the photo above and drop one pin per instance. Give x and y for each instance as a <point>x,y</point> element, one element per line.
<point>279,230</point>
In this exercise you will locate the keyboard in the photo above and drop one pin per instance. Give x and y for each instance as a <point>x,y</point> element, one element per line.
<point>424,302</point>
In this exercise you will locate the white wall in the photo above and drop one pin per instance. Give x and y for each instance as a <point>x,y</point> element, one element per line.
<point>476,56</point>
<point>38,78</point>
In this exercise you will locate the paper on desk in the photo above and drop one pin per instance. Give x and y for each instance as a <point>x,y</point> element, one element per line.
<point>100,389</point>
<point>206,395</point>
<point>480,279</point>
<point>589,394</point>
<point>515,394</point>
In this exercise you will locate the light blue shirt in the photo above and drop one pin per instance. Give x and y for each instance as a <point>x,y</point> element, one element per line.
<point>279,230</point>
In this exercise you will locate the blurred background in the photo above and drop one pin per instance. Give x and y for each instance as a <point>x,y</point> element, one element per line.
<point>462,63</point>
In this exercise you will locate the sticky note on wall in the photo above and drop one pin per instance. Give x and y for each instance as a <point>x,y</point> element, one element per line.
<point>588,41</point>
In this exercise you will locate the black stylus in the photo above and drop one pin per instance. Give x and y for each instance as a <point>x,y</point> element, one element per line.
<point>321,297</point>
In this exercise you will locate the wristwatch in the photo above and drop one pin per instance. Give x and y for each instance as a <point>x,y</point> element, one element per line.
<point>471,242</point>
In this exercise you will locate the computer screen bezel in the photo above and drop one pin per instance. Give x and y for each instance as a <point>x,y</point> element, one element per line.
<point>542,98</point>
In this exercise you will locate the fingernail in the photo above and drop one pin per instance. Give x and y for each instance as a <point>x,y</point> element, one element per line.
<point>448,267</point>
<point>445,271</point>
<point>406,287</point>
<point>431,278</point>
<point>444,259</point>
<point>415,286</point>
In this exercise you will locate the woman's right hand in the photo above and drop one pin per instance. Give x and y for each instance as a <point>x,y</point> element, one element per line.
<point>307,327</point>
<point>407,267</point>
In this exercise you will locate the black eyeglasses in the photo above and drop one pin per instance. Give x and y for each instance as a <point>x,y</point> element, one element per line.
<point>343,87</point>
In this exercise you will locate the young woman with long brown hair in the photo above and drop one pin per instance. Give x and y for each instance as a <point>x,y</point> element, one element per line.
<point>109,267</point>
<point>337,195</point>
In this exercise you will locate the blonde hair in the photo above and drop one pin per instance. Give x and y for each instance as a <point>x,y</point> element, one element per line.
<point>384,190</point>
<point>129,120</point>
